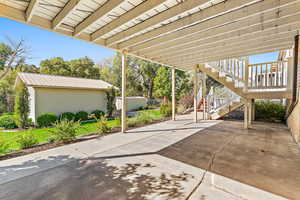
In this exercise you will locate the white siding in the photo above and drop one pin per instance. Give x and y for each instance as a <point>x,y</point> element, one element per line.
<point>69,100</point>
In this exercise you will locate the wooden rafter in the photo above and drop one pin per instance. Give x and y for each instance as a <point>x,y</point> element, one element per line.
<point>100,12</point>
<point>31,8</point>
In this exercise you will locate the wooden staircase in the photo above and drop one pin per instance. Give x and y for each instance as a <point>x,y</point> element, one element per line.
<point>255,81</point>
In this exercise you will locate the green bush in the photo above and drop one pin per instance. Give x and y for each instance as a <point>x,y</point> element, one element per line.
<point>166,109</point>
<point>46,119</point>
<point>7,122</point>
<point>3,147</point>
<point>22,106</point>
<point>81,116</point>
<point>140,119</point>
<point>67,115</point>
<point>102,126</point>
<point>268,111</point>
<point>27,140</point>
<point>65,130</point>
<point>98,113</point>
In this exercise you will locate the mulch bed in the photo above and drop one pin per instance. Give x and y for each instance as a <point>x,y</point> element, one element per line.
<point>47,146</point>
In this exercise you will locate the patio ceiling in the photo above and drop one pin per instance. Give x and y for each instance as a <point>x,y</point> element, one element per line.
<point>177,33</point>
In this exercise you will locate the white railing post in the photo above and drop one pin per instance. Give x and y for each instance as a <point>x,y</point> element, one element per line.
<point>246,75</point>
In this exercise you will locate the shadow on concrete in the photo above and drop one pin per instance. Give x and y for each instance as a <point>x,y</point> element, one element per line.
<point>95,179</point>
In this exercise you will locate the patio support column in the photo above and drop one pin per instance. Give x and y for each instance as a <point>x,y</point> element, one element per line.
<point>250,111</point>
<point>204,95</point>
<point>253,109</point>
<point>124,100</point>
<point>173,95</point>
<point>195,94</point>
<point>246,114</point>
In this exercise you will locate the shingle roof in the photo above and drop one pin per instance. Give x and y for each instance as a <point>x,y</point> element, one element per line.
<point>53,81</point>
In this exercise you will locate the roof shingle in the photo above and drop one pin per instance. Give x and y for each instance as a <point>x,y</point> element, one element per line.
<point>53,81</point>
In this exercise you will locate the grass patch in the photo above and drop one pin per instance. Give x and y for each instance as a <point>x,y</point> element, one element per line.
<point>43,134</point>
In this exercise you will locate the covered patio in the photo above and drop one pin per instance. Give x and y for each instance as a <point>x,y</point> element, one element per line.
<point>183,35</point>
<point>187,157</point>
<point>169,160</point>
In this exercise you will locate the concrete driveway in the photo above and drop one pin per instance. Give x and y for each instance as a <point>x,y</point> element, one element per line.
<point>169,160</point>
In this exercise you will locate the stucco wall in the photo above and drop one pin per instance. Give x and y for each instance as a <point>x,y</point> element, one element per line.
<point>294,122</point>
<point>133,103</point>
<point>68,100</point>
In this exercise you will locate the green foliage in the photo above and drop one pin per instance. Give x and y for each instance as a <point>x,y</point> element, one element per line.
<point>98,113</point>
<point>141,119</point>
<point>27,140</point>
<point>22,106</point>
<point>118,122</point>
<point>81,116</point>
<point>4,146</point>
<point>6,96</point>
<point>166,109</point>
<point>82,67</point>
<point>111,102</point>
<point>67,115</point>
<point>46,119</point>
<point>7,122</point>
<point>65,130</point>
<point>102,126</point>
<point>268,111</point>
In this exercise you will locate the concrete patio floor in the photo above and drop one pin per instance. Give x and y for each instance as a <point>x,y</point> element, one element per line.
<point>170,160</point>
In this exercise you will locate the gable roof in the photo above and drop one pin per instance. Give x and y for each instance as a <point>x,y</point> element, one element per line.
<point>53,81</point>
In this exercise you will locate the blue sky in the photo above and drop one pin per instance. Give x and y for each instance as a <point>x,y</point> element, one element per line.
<point>45,44</point>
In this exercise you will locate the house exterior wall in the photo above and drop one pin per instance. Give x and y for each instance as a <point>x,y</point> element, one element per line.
<point>68,100</point>
<point>293,122</point>
<point>133,103</point>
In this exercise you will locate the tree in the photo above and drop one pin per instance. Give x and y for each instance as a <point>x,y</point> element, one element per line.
<point>22,106</point>
<point>163,83</point>
<point>111,102</point>
<point>84,68</point>
<point>6,97</point>
<point>55,66</point>
<point>12,55</point>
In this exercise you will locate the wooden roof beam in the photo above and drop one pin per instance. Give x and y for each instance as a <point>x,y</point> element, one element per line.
<point>100,12</point>
<point>228,31</point>
<point>156,19</point>
<point>126,17</point>
<point>231,17</point>
<point>68,8</point>
<point>233,54</point>
<point>213,11</point>
<point>243,46</point>
<point>267,36</point>
<point>33,4</point>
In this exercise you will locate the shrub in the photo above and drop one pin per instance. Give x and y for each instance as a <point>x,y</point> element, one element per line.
<point>140,119</point>
<point>98,113</point>
<point>65,130</point>
<point>3,147</point>
<point>111,101</point>
<point>268,111</point>
<point>7,122</point>
<point>22,106</point>
<point>68,116</point>
<point>81,116</point>
<point>102,126</point>
<point>46,119</point>
<point>27,140</point>
<point>166,109</point>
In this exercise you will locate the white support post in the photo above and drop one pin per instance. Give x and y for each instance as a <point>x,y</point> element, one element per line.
<point>253,109</point>
<point>195,95</point>
<point>204,94</point>
<point>250,111</point>
<point>246,110</point>
<point>173,95</point>
<point>124,100</point>
<point>246,76</point>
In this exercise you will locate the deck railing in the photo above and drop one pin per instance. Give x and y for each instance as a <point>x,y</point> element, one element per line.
<point>270,75</point>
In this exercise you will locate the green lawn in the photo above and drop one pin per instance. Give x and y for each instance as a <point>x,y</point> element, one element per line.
<point>87,128</point>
